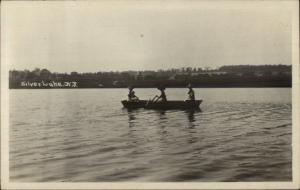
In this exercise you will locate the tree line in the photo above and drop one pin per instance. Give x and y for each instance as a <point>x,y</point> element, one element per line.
<point>225,76</point>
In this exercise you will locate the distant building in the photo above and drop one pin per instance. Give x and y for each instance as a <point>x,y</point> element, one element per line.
<point>131,73</point>
<point>172,77</point>
<point>213,72</point>
<point>148,73</point>
<point>258,73</point>
<point>115,83</point>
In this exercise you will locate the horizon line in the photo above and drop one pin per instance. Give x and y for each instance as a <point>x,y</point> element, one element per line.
<point>157,70</point>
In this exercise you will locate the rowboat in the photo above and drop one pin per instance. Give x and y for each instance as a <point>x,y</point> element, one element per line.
<point>173,104</point>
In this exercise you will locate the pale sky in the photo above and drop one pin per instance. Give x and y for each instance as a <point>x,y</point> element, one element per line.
<point>101,36</point>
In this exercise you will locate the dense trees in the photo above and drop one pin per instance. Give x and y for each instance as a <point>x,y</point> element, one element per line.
<point>256,68</point>
<point>225,76</point>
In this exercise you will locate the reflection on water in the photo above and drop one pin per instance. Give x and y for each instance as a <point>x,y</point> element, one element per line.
<point>131,116</point>
<point>191,117</point>
<point>162,116</point>
<point>86,139</point>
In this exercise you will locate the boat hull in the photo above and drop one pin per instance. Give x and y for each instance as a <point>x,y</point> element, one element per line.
<point>162,105</point>
<point>134,104</point>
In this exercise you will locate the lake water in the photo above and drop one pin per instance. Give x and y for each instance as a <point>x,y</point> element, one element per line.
<point>84,135</point>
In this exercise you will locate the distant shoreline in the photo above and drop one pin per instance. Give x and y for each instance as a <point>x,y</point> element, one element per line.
<point>241,76</point>
<point>153,87</point>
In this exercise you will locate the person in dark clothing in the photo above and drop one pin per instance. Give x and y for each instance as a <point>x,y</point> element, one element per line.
<point>131,95</point>
<point>191,93</point>
<point>162,97</point>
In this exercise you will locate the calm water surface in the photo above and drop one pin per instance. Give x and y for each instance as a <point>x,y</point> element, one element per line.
<point>85,135</point>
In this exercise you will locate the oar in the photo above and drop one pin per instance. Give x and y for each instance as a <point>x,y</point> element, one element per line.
<point>149,101</point>
<point>154,98</point>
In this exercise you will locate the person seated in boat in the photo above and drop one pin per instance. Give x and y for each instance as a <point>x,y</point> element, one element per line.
<point>131,95</point>
<point>191,93</point>
<point>162,97</point>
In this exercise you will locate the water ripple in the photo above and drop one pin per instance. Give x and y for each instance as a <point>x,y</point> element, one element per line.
<point>87,139</point>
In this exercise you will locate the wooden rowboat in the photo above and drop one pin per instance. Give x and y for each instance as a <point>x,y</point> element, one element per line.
<point>173,104</point>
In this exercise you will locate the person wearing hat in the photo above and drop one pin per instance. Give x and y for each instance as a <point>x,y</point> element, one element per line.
<point>131,95</point>
<point>162,97</point>
<point>191,93</point>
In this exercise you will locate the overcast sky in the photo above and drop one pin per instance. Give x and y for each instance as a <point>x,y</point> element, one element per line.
<point>94,36</point>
